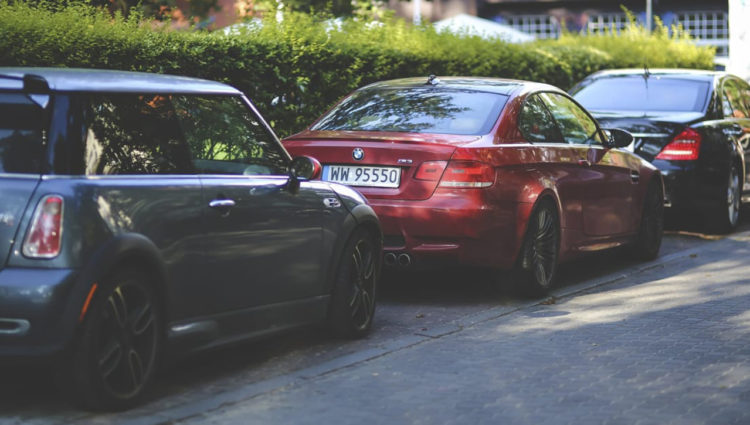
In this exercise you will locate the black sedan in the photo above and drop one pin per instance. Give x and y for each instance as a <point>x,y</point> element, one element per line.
<point>693,125</point>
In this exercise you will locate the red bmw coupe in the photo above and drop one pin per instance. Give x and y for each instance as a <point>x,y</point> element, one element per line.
<point>488,172</point>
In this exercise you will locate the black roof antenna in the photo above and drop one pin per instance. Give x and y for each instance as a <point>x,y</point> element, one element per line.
<point>432,80</point>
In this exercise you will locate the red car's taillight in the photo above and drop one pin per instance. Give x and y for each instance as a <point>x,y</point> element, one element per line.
<point>469,174</point>
<point>43,240</point>
<point>685,146</point>
<point>430,170</point>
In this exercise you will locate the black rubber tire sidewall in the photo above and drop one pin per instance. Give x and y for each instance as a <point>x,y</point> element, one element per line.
<point>719,218</point>
<point>79,380</point>
<point>526,282</point>
<point>340,321</point>
<point>643,248</point>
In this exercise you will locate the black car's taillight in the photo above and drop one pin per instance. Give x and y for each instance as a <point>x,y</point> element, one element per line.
<point>43,240</point>
<point>684,147</point>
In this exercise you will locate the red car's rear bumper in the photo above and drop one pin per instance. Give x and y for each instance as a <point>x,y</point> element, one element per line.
<point>453,227</point>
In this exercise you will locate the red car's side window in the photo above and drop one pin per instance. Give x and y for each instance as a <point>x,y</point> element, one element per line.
<point>536,124</point>
<point>575,124</point>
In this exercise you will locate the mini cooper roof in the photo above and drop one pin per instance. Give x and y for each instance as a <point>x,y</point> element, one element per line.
<point>41,80</point>
<point>492,85</point>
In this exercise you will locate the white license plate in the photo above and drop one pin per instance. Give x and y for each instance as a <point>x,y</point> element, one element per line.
<point>359,175</point>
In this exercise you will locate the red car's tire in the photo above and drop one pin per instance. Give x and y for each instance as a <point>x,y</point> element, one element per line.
<point>537,261</point>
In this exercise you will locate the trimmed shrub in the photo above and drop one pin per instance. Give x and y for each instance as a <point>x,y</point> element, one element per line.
<point>296,69</point>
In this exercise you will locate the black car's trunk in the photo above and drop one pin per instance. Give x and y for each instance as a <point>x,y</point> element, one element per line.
<point>652,132</point>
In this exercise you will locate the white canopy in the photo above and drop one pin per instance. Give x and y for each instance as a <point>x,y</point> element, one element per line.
<point>472,25</point>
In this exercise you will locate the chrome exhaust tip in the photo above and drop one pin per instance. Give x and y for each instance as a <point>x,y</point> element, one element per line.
<point>404,260</point>
<point>389,259</point>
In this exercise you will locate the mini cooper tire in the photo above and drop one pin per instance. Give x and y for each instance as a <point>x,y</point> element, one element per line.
<point>648,241</point>
<point>352,305</point>
<point>537,262</point>
<point>116,352</point>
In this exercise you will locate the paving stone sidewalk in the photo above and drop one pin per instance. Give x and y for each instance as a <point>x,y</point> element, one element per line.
<point>670,345</point>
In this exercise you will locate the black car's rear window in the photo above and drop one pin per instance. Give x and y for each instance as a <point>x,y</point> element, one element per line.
<point>416,110</point>
<point>636,93</point>
<point>21,124</point>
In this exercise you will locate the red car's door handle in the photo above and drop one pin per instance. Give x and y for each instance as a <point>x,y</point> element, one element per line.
<point>584,162</point>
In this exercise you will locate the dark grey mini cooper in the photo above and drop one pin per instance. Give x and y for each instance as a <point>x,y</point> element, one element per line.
<point>143,215</point>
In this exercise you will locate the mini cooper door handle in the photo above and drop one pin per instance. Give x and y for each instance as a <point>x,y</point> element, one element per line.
<point>584,162</point>
<point>221,203</point>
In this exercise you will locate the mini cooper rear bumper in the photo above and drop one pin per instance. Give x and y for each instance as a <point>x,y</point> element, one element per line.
<point>35,312</point>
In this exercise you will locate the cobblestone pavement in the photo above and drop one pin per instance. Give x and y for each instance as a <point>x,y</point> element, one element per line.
<point>416,311</point>
<point>669,345</point>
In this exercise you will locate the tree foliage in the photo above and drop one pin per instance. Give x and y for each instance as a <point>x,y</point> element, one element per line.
<point>297,68</point>
<point>148,9</point>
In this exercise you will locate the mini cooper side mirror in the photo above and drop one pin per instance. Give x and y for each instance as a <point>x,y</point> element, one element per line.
<point>618,138</point>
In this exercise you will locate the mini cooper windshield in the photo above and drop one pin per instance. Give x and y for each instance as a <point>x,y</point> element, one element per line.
<point>416,110</point>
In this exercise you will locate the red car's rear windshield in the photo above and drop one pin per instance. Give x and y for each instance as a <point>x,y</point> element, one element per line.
<point>416,110</point>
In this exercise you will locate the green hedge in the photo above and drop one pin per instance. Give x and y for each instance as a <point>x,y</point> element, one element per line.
<point>308,66</point>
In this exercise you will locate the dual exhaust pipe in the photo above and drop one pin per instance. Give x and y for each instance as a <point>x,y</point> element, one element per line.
<point>392,259</point>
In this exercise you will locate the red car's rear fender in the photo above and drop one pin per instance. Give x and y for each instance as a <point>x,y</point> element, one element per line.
<point>520,180</point>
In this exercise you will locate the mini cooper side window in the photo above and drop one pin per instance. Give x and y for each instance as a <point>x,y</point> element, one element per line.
<point>134,134</point>
<point>536,124</point>
<point>20,134</point>
<point>575,124</point>
<point>225,137</point>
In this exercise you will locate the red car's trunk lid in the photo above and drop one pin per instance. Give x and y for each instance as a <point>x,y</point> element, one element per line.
<point>404,151</point>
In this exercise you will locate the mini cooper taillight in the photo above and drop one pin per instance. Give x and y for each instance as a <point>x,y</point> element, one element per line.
<point>468,174</point>
<point>684,147</point>
<point>43,240</point>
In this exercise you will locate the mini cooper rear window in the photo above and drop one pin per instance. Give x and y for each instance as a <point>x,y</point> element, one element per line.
<point>20,134</point>
<point>416,110</point>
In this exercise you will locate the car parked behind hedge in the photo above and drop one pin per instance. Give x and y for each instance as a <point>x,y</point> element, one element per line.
<point>145,215</point>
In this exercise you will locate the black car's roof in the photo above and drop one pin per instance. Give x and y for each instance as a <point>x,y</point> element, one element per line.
<point>690,74</point>
<point>98,80</point>
<point>493,85</point>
